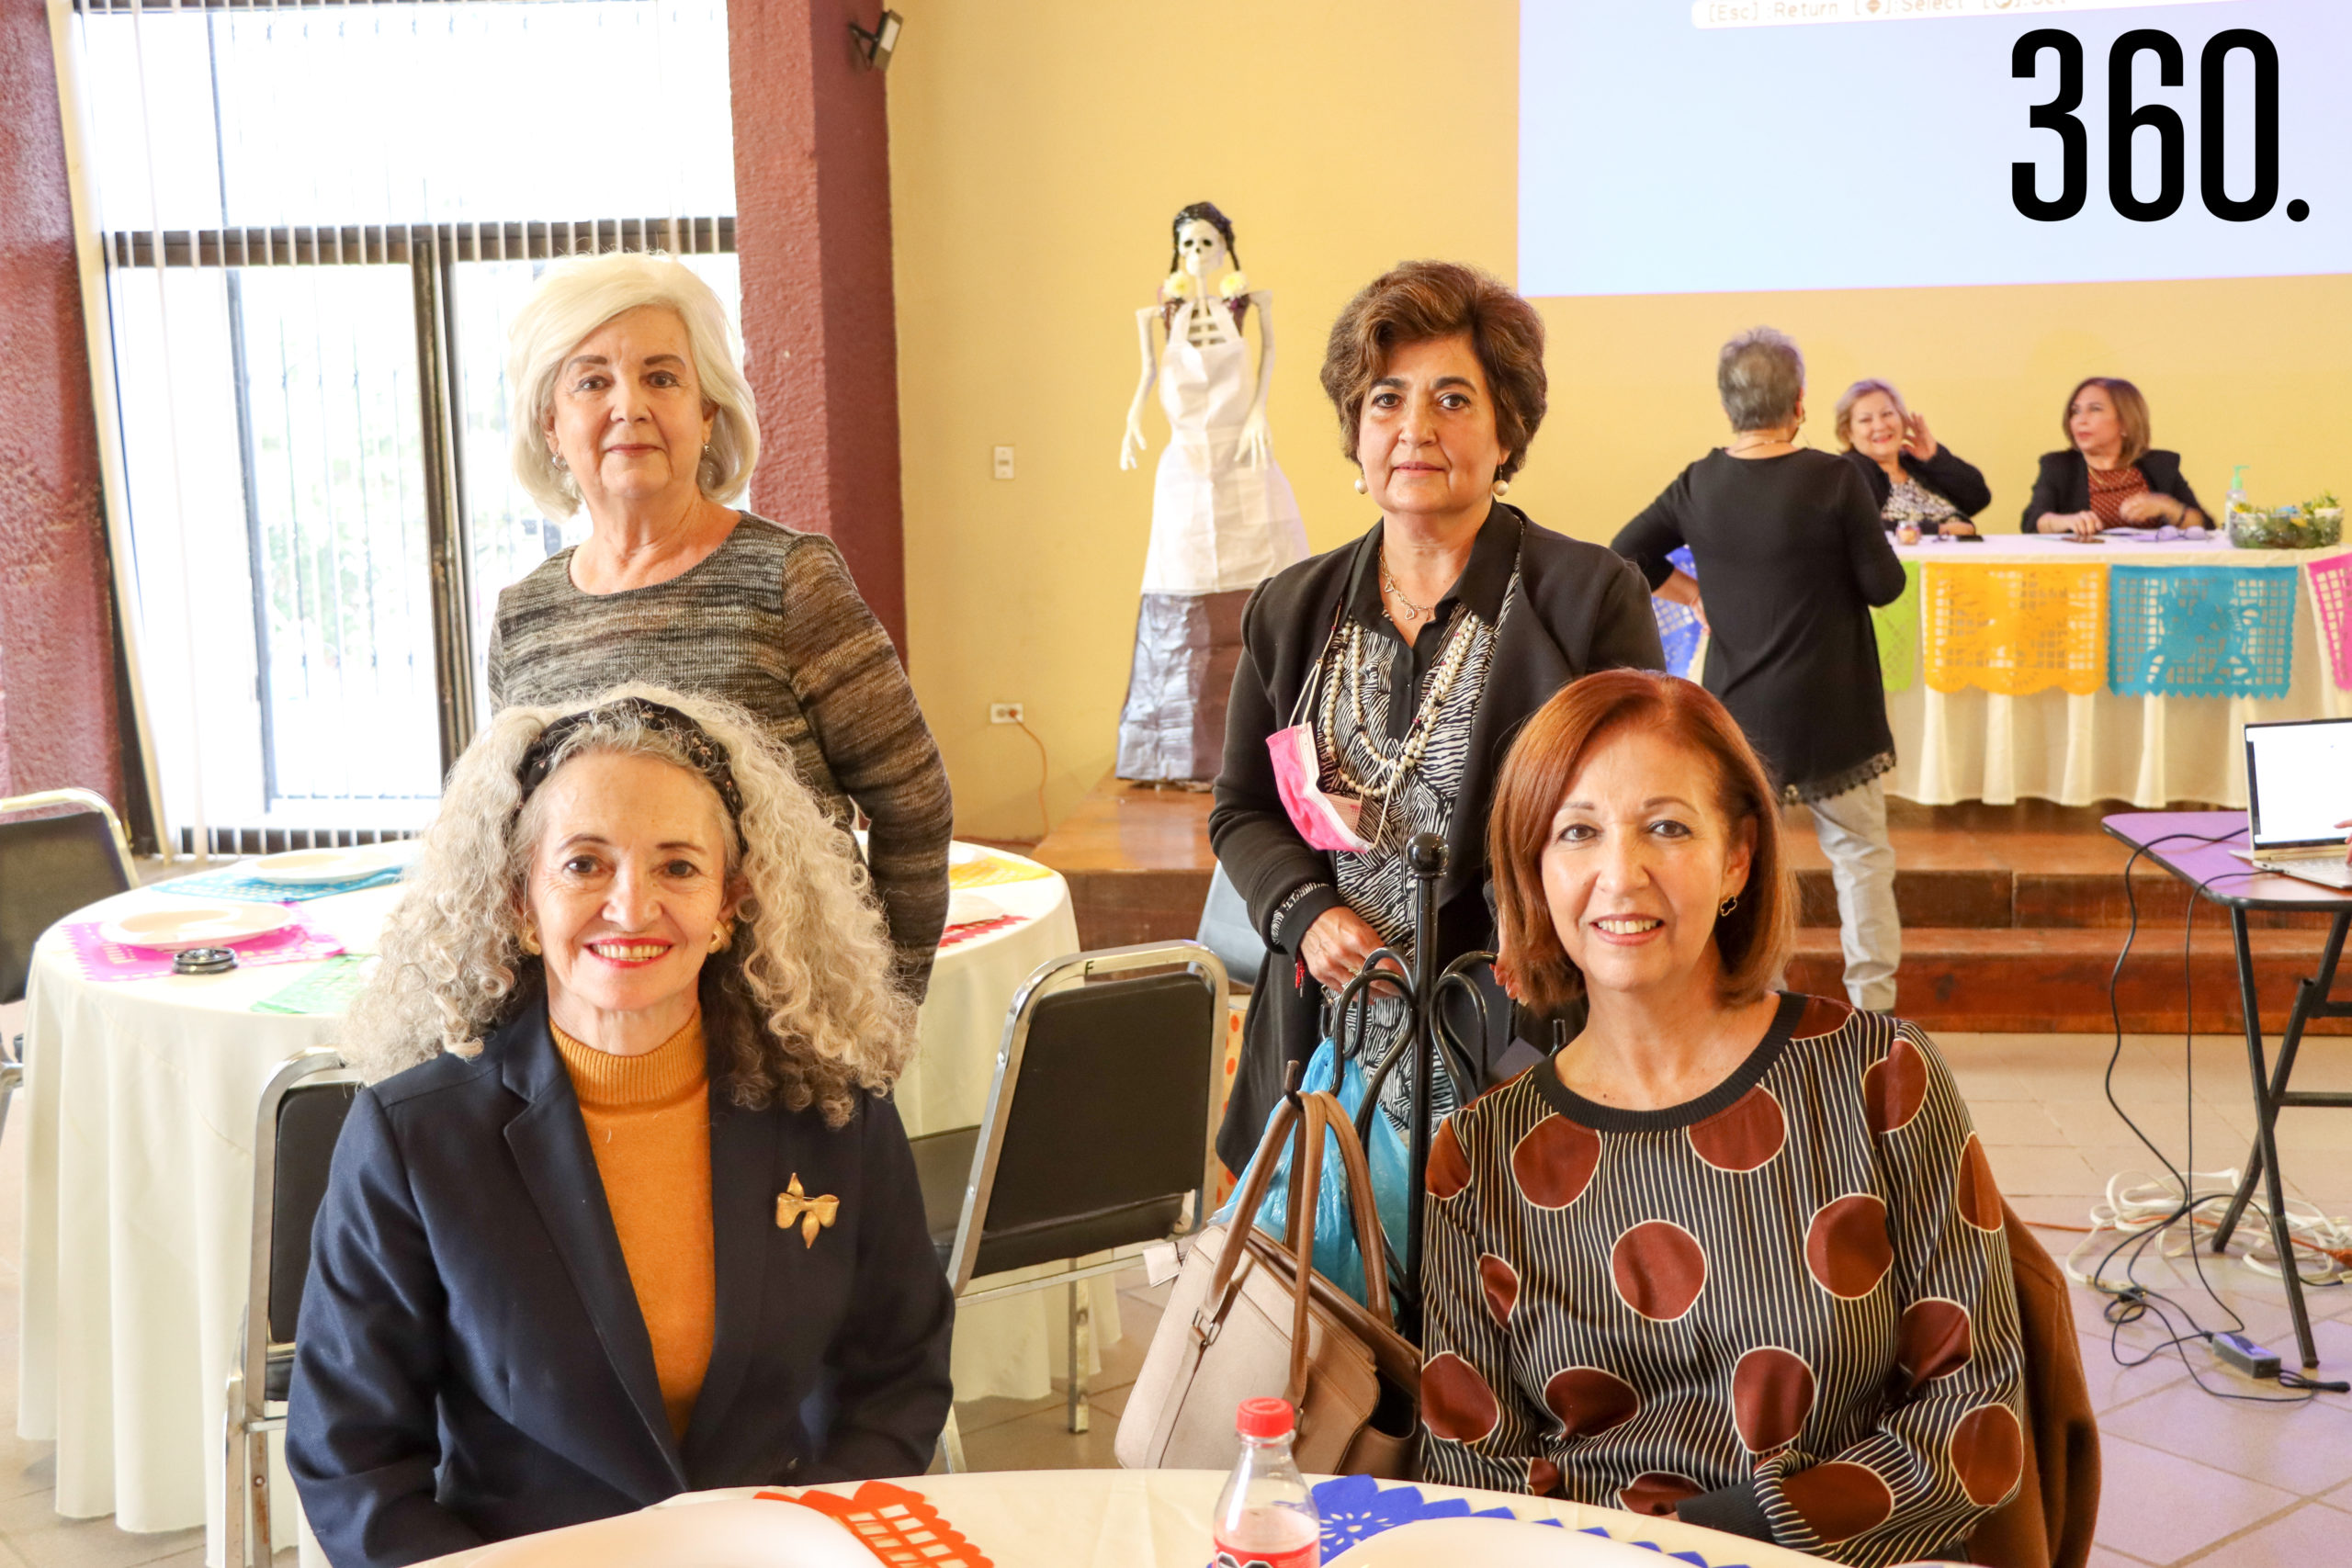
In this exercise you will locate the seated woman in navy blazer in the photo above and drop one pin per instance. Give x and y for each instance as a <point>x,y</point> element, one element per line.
<point>2110,476</point>
<point>625,1211</point>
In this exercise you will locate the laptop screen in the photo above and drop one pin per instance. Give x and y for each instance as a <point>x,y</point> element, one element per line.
<point>2298,781</point>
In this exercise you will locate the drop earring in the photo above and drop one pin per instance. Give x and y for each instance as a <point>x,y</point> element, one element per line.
<point>1502,487</point>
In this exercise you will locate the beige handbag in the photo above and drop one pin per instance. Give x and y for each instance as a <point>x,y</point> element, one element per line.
<point>1245,1320</point>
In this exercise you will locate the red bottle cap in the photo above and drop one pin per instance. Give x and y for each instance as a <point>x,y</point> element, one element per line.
<point>1263,1418</point>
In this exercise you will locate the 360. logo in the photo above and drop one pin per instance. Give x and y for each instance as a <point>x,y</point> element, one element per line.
<point>2125,118</point>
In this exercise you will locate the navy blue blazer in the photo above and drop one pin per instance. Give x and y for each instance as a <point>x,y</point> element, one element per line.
<point>472,1364</point>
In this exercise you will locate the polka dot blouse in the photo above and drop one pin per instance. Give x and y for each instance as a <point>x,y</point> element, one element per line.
<point>1785,1309</point>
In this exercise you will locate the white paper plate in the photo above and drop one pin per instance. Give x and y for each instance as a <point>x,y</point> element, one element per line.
<point>966,908</point>
<point>734,1533</point>
<point>1494,1543</point>
<point>313,867</point>
<point>194,925</point>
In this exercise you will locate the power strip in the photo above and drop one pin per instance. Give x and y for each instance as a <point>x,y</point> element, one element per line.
<point>2255,1360</point>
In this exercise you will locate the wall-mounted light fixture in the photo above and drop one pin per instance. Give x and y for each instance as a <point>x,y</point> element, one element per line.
<point>876,45</point>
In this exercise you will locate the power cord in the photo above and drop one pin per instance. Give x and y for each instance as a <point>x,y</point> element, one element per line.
<point>2143,1215</point>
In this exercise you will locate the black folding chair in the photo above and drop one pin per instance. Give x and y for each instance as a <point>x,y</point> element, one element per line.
<point>301,1114</point>
<point>1097,1136</point>
<point>50,866</point>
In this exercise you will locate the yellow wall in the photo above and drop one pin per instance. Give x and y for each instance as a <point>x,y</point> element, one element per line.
<point>1038,149</point>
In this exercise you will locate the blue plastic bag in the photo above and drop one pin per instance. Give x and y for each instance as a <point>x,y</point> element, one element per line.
<point>1337,1256</point>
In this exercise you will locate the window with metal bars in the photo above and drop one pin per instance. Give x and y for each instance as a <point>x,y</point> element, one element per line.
<point>306,227</point>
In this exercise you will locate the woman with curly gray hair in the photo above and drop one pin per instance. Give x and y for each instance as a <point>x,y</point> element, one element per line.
<point>625,1211</point>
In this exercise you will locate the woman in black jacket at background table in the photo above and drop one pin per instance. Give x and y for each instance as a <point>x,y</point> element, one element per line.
<point>1914,478</point>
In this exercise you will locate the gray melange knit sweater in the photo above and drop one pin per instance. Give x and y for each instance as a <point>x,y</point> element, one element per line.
<point>770,620</point>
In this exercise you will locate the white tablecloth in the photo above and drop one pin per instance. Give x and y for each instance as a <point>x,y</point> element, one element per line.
<point>1975,745</point>
<point>138,1116</point>
<point>1159,1518</point>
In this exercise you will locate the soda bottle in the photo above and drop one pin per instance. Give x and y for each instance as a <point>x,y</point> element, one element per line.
<point>1265,1516</point>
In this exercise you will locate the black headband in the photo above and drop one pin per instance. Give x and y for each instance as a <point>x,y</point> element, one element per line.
<point>706,756</point>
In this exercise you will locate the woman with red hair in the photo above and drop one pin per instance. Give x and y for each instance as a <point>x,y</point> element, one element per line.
<point>1728,1254</point>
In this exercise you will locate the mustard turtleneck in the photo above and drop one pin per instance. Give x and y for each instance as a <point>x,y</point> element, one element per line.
<point>648,1127</point>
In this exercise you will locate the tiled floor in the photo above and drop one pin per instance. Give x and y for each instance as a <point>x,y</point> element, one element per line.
<point>2188,1478</point>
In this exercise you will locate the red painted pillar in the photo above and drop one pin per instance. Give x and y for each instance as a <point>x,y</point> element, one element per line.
<point>57,688</point>
<point>813,231</point>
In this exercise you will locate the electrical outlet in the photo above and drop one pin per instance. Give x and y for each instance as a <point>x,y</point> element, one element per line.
<point>1005,713</point>
<point>1005,462</point>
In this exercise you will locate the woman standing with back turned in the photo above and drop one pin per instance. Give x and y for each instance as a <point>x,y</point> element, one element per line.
<point>1791,543</point>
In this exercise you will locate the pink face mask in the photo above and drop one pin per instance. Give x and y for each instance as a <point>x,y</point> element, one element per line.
<point>1324,822</point>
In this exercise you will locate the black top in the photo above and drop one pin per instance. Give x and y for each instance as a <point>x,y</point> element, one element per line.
<point>1947,473</point>
<point>474,1364</point>
<point>2063,485</point>
<point>1790,557</point>
<point>1579,610</point>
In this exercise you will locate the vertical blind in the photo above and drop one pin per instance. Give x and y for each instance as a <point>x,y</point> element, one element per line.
<point>311,225</point>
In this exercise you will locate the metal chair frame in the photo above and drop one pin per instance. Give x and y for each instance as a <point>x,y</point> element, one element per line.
<point>249,1415</point>
<point>12,1050</point>
<point>1048,980</point>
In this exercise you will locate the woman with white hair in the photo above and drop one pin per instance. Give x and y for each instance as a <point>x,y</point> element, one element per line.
<point>1920,485</point>
<point>630,401</point>
<point>626,1210</point>
<point>1789,543</point>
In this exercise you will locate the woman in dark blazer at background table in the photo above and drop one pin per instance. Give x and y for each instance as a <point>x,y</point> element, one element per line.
<point>2110,476</point>
<point>1426,642</point>
<point>631,1216</point>
<point>1914,477</point>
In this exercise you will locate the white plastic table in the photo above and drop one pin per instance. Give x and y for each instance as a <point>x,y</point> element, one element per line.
<point>138,1120</point>
<point>1159,1518</point>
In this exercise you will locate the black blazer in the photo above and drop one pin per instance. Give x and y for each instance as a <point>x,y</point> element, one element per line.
<point>1583,609</point>
<point>1947,473</point>
<point>472,1364</point>
<point>2064,484</point>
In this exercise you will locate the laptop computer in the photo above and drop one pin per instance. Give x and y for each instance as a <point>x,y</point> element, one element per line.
<point>2298,787</point>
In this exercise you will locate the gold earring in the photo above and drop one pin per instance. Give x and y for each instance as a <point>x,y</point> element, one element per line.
<point>1361,487</point>
<point>531,943</point>
<point>719,937</point>
<point>1727,906</point>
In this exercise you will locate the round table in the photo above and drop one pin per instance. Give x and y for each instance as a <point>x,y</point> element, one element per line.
<point>138,1116</point>
<point>1159,1518</point>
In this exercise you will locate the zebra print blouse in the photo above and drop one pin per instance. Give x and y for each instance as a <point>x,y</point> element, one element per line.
<point>1353,745</point>
<point>1783,1309</point>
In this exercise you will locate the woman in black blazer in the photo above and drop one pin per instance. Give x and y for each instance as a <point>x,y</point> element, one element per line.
<point>639,1220</point>
<point>1405,660</point>
<point>1914,478</point>
<point>2109,477</point>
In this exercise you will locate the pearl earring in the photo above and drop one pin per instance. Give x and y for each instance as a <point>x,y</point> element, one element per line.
<point>1502,487</point>
<point>560,466</point>
<point>1361,487</point>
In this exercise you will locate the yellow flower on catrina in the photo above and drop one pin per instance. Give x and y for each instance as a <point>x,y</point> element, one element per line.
<point>1234,285</point>
<point>1178,286</point>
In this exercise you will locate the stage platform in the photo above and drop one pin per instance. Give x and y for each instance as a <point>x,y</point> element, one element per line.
<point>2012,916</point>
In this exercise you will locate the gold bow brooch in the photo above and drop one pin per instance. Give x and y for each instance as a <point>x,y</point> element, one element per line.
<point>812,1215</point>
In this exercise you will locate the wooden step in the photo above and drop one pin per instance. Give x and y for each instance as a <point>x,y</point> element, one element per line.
<point>2020,981</point>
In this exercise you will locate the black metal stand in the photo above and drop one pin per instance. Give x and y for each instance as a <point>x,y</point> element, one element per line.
<point>1429,1042</point>
<point>2271,1095</point>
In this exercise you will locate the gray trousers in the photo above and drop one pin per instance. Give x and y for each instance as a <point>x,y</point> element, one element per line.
<point>1852,829</point>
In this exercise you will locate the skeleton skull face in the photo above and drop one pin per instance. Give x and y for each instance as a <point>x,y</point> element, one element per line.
<point>1201,249</point>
